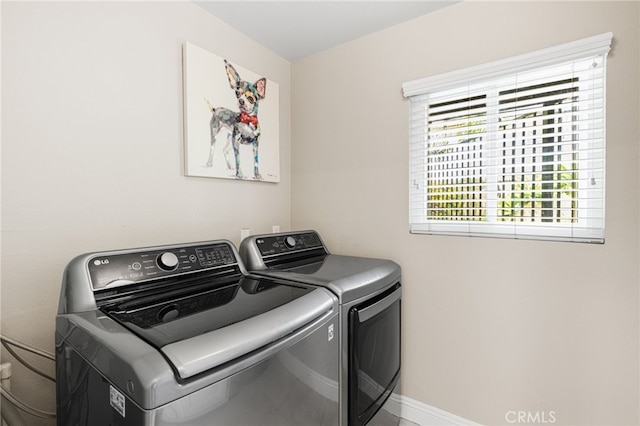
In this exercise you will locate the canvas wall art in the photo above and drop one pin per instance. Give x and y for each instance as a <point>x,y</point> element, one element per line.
<point>230,119</point>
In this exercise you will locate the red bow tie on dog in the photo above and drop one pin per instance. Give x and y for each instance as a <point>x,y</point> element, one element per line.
<point>249,119</point>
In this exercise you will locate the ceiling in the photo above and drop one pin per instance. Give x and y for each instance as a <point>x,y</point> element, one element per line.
<point>297,29</point>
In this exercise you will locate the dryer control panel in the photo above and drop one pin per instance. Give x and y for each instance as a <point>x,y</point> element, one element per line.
<point>287,243</point>
<point>115,269</point>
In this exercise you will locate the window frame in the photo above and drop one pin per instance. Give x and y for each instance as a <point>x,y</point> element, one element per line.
<point>419,90</point>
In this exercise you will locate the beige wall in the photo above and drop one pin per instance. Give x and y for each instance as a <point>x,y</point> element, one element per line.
<point>92,159</point>
<point>490,326</point>
<point>92,147</point>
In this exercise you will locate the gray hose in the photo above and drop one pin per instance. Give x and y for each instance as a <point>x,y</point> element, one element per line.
<point>16,403</point>
<point>10,414</point>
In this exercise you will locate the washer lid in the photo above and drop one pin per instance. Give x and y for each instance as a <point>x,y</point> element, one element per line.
<point>208,350</point>
<point>208,320</point>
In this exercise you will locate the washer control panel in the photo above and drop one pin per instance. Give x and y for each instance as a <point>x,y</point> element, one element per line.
<point>111,270</point>
<point>287,243</point>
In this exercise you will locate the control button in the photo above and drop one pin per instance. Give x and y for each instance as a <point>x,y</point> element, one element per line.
<point>290,242</point>
<point>168,313</point>
<point>167,261</point>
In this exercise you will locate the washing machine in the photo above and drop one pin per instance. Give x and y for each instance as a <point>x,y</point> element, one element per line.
<point>369,293</point>
<point>181,335</point>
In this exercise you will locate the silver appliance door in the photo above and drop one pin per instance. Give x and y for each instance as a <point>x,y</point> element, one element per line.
<point>374,354</point>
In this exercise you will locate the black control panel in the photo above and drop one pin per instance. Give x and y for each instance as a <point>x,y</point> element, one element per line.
<point>282,244</point>
<point>127,268</point>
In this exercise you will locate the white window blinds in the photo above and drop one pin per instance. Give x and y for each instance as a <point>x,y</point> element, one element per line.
<point>514,148</point>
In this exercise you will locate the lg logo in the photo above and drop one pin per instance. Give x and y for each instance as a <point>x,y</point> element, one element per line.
<point>99,262</point>
<point>526,417</point>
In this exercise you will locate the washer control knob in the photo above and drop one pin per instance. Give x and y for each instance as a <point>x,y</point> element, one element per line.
<point>290,242</point>
<point>167,261</point>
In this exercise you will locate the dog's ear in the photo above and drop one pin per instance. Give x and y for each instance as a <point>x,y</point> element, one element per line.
<point>232,75</point>
<point>261,87</point>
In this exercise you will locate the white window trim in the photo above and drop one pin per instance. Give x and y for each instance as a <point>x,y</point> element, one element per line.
<point>592,46</point>
<point>595,45</point>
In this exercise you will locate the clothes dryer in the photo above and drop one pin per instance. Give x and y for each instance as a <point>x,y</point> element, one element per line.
<point>369,292</point>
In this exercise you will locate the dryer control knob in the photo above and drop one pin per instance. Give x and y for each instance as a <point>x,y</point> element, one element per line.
<point>167,261</point>
<point>290,242</point>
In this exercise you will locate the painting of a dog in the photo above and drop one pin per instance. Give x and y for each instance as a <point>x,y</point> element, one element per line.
<point>242,125</point>
<point>239,137</point>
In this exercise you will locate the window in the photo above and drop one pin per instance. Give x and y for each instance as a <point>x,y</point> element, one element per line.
<point>514,148</point>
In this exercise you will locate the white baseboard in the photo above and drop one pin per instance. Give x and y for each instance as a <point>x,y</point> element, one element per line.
<point>423,414</point>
